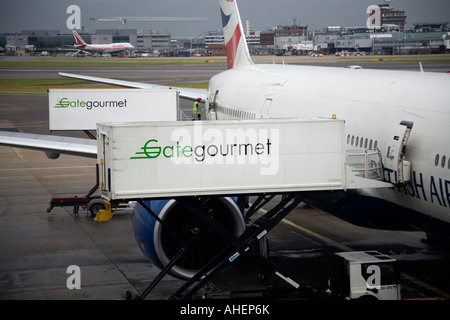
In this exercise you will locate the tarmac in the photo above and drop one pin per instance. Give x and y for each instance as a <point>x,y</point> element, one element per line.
<point>37,249</point>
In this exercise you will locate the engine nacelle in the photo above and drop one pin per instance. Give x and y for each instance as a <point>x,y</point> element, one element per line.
<point>160,246</point>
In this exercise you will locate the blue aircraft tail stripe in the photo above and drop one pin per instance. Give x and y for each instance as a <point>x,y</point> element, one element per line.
<point>225,18</point>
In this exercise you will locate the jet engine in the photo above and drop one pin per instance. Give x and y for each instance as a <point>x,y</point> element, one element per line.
<point>183,226</point>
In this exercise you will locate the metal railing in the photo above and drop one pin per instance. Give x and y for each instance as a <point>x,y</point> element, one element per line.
<point>367,164</point>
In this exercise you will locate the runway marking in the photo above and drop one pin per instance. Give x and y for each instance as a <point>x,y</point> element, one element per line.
<point>312,233</point>
<point>317,235</point>
<point>425,285</point>
<point>46,168</point>
<point>67,175</point>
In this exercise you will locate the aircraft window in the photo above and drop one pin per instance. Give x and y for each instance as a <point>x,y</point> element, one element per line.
<point>348,139</point>
<point>375,145</point>
<point>370,144</point>
<point>356,142</point>
<point>448,166</point>
<point>361,142</point>
<point>365,143</point>
<point>353,139</point>
<point>443,161</point>
<point>436,160</point>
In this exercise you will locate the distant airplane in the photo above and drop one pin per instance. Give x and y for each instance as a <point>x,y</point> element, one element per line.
<point>100,48</point>
<point>403,114</point>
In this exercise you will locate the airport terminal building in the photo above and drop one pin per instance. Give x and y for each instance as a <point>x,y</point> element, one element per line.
<point>386,33</point>
<point>54,42</point>
<point>291,40</point>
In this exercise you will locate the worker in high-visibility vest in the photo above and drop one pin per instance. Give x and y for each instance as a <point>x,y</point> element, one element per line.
<point>197,110</point>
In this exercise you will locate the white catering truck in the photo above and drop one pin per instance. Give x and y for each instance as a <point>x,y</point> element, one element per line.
<point>82,109</point>
<point>169,159</point>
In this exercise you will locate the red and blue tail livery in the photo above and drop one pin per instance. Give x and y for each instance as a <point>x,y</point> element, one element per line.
<point>236,45</point>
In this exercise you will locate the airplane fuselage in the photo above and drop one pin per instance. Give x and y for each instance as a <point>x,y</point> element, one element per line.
<point>372,102</point>
<point>106,48</point>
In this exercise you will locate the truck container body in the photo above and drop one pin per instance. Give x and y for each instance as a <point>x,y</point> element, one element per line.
<point>170,159</point>
<point>82,109</point>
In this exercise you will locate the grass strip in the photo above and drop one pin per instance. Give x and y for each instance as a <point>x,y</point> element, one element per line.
<point>41,85</point>
<point>101,62</point>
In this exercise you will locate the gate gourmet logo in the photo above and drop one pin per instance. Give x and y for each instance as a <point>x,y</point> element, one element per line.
<point>90,104</point>
<point>213,146</point>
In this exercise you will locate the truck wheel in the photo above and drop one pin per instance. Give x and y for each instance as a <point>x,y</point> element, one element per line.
<point>95,205</point>
<point>367,298</point>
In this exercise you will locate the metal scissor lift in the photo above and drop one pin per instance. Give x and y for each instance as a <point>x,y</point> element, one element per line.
<point>237,246</point>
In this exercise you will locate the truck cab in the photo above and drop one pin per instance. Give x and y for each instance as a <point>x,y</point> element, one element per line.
<point>365,275</point>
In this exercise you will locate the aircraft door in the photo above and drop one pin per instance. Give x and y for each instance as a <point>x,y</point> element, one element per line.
<point>103,170</point>
<point>265,108</point>
<point>211,106</point>
<point>396,167</point>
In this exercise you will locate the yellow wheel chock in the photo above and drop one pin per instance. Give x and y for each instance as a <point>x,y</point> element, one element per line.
<point>107,213</point>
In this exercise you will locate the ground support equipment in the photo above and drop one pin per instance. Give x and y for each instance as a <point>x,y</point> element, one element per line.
<point>237,246</point>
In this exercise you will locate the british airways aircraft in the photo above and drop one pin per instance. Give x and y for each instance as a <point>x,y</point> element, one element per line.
<point>404,114</point>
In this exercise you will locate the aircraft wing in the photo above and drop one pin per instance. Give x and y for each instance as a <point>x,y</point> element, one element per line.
<point>185,93</point>
<point>51,145</point>
<point>55,145</point>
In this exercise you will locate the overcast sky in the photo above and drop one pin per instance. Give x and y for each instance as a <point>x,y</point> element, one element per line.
<point>18,15</point>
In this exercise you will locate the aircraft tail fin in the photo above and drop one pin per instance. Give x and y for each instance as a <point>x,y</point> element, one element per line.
<point>78,39</point>
<point>236,44</point>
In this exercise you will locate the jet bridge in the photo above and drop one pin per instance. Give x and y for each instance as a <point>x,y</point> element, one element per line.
<point>154,160</point>
<point>264,157</point>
